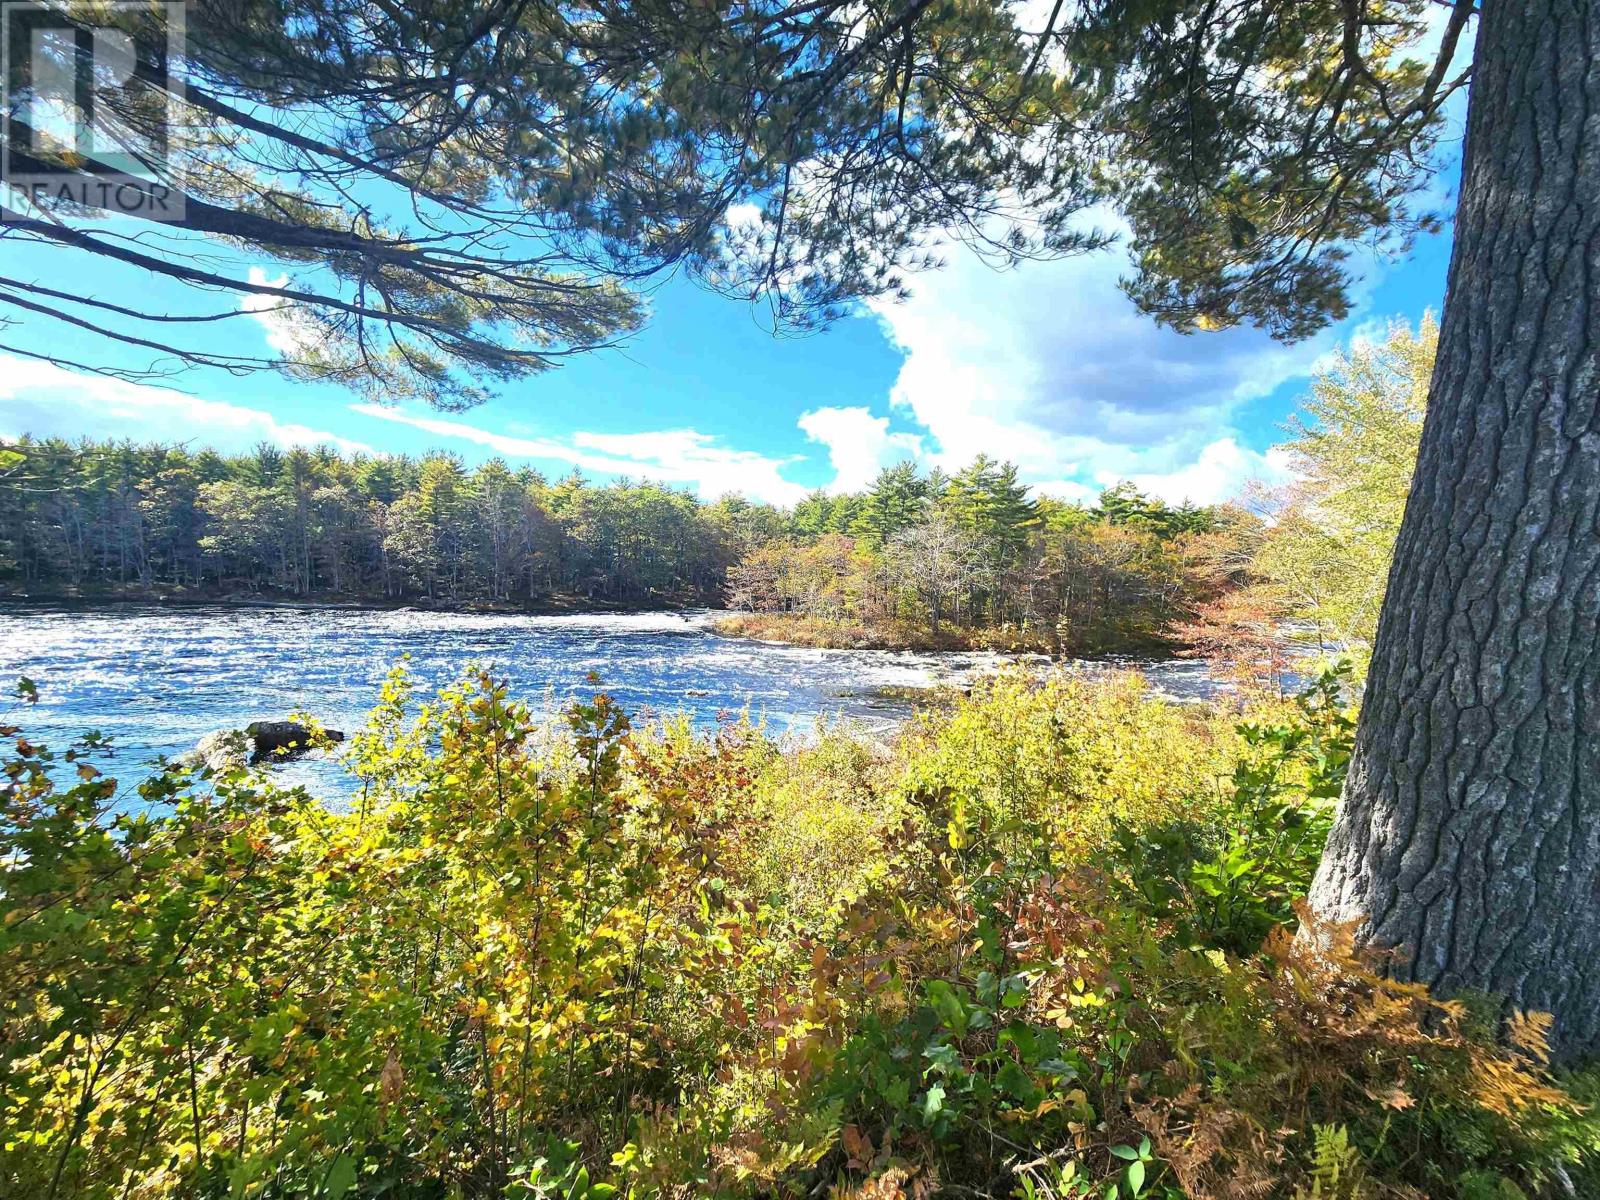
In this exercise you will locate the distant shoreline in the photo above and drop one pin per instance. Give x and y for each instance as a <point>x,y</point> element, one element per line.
<point>779,629</point>
<point>795,629</point>
<point>552,606</point>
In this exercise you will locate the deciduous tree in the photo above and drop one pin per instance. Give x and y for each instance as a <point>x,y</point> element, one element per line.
<point>937,560</point>
<point>1326,555</point>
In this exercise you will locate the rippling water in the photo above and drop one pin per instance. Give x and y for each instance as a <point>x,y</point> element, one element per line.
<point>156,679</point>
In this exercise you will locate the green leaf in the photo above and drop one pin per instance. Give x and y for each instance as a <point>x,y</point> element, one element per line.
<point>340,1179</point>
<point>942,1057</point>
<point>1127,1152</point>
<point>1014,1081</point>
<point>1136,1176</point>
<point>942,998</point>
<point>988,988</point>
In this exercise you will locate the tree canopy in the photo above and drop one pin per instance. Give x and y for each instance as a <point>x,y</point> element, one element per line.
<point>1312,573</point>
<point>1329,549</point>
<point>455,195</point>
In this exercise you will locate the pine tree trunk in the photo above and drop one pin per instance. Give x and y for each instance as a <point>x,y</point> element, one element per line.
<point>1469,838</point>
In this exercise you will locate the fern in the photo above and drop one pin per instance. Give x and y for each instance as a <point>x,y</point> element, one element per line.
<point>1337,1171</point>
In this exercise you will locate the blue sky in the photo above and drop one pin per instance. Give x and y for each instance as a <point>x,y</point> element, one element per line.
<point>1048,366</point>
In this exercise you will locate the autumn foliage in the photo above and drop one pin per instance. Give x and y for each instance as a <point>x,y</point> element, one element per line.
<point>1043,947</point>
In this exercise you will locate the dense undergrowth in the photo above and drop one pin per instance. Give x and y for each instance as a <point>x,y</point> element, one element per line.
<point>1042,948</point>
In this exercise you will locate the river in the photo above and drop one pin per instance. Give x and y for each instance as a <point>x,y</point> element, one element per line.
<point>154,679</point>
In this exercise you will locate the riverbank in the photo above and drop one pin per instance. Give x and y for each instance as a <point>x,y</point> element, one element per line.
<point>797,629</point>
<point>561,604</point>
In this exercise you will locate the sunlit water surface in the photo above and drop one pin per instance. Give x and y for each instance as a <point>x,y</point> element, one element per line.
<point>156,679</point>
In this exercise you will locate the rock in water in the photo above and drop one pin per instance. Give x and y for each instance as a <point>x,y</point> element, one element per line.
<point>282,739</point>
<point>260,741</point>
<point>221,750</point>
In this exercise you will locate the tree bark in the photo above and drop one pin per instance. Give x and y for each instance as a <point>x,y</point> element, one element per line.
<point>1469,836</point>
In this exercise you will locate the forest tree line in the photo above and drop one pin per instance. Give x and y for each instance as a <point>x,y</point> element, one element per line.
<point>969,551</point>
<point>920,558</point>
<point>310,522</point>
<point>1292,568</point>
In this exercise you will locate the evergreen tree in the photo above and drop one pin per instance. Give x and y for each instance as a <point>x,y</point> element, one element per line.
<point>988,502</point>
<point>897,500</point>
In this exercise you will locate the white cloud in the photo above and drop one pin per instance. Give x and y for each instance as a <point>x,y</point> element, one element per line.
<point>285,333</point>
<point>687,456</point>
<point>1218,473</point>
<point>744,216</point>
<point>858,444</point>
<point>676,456</point>
<point>47,400</point>
<point>1068,489</point>
<point>1051,366</point>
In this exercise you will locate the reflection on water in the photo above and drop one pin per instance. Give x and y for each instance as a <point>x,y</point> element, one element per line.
<point>156,679</point>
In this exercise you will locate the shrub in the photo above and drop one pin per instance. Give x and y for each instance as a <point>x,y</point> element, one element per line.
<point>1039,772</point>
<point>1228,879</point>
<point>603,960</point>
